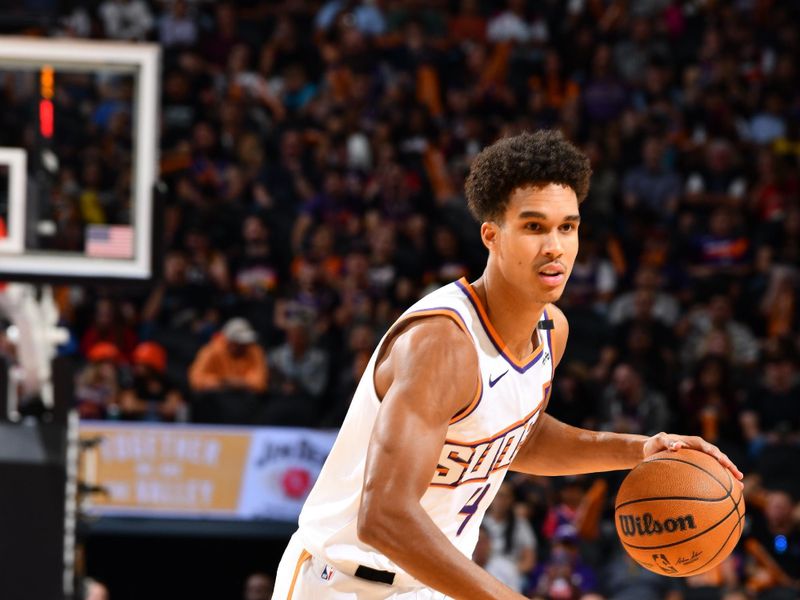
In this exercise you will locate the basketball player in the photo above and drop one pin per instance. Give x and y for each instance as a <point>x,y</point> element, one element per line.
<point>454,396</point>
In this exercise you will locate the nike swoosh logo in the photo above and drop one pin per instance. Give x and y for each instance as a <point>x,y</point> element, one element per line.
<point>499,377</point>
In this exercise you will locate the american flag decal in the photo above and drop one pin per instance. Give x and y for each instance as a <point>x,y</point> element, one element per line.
<point>109,241</point>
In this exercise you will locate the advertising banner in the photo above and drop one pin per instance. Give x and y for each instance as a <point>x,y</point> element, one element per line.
<point>199,471</point>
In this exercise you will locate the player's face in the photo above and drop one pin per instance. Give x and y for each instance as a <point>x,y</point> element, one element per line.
<point>536,243</point>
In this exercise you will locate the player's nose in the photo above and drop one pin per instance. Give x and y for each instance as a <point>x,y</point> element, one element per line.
<point>551,245</point>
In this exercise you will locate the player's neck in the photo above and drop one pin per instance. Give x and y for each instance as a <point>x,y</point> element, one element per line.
<point>513,317</point>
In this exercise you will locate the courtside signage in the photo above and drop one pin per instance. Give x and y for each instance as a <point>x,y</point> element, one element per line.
<point>153,470</point>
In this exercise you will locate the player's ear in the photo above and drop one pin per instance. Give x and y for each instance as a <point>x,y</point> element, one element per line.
<point>489,232</point>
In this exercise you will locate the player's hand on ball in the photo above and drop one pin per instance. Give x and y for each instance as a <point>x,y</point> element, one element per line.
<point>668,441</point>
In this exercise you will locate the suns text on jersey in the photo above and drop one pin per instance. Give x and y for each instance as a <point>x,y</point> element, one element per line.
<point>467,463</point>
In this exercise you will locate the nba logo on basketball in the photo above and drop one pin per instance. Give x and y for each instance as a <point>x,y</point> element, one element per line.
<point>327,573</point>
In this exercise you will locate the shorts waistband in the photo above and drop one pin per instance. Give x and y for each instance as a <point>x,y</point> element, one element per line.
<point>370,574</point>
<point>400,581</point>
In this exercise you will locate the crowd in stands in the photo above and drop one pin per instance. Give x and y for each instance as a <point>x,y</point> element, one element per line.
<point>314,154</point>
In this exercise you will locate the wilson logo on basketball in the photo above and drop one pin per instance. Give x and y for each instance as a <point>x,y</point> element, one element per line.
<point>633,525</point>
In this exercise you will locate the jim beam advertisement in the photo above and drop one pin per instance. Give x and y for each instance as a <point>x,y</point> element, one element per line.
<point>199,471</point>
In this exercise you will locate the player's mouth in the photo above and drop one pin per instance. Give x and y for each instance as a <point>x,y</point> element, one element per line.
<point>552,274</point>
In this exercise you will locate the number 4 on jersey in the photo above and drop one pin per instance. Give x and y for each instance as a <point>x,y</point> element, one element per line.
<point>471,507</point>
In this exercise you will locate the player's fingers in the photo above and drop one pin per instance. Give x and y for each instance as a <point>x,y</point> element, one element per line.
<point>723,459</point>
<point>674,444</point>
<point>729,464</point>
<point>662,442</point>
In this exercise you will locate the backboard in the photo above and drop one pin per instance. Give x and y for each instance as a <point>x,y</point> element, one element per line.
<point>78,159</point>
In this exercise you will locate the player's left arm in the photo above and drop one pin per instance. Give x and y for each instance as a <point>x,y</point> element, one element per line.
<point>556,448</point>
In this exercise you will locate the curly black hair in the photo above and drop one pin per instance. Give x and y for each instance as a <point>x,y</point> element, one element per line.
<point>537,158</point>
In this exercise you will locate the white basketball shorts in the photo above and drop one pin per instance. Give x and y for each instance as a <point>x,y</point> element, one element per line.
<point>302,576</point>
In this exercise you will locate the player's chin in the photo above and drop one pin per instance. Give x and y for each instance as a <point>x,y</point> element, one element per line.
<point>549,294</point>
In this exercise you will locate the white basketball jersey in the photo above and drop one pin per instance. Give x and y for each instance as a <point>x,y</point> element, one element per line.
<point>481,442</point>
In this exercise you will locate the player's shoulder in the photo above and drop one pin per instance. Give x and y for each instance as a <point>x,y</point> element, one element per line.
<point>433,334</point>
<point>421,349</point>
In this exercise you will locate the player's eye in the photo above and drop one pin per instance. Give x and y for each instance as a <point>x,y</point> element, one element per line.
<point>567,227</point>
<point>533,226</point>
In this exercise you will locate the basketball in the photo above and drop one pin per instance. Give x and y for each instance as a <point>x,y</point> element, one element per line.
<point>679,513</point>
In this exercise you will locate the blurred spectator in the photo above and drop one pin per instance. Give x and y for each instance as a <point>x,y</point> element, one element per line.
<point>150,396</point>
<point>97,385</point>
<point>108,326</point>
<point>572,401</point>
<point>365,16</point>
<point>735,594</point>
<point>217,45</point>
<point>563,574</point>
<point>652,189</point>
<point>629,405</point>
<point>720,254</point>
<point>496,565</point>
<point>565,508</point>
<point>741,345</point>
<point>773,542</point>
<point>664,306</point>
<point>309,297</point>
<point>345,388</point>
<point>773,187</point>
<point>512,538</point>
<point>178,303</point>
<point>232,361</point>
<point>599,205</point>
<point>229,376</point>
<point>299,376</point>
<point>645,343</point>
<point>255,272</point>
<point>624,579</point>
<point>710,402</point>
<point>772,412</point>
<point>640,48</point>
<point>126,19</point>
<point>768,124</point>
<point>77,24</point>
<point>447,262</point>
<point>779,303</point>
<point>258,586</point>
<point>593,279</point>
<point>604,96</point>
<point>718,182</point>
<point>511,25</point>
<point>719,582</point>
<point>207,267</point>
<point>178,27</point>
<point>468,24</point>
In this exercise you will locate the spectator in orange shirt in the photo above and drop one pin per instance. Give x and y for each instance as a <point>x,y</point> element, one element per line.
<point>232,361</point>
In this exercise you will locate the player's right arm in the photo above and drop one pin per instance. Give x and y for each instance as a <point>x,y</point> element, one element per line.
<point>428,373</point>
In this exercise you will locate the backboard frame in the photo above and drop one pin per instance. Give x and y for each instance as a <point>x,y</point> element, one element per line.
<point>17,264</point>
<point>16,159</point>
